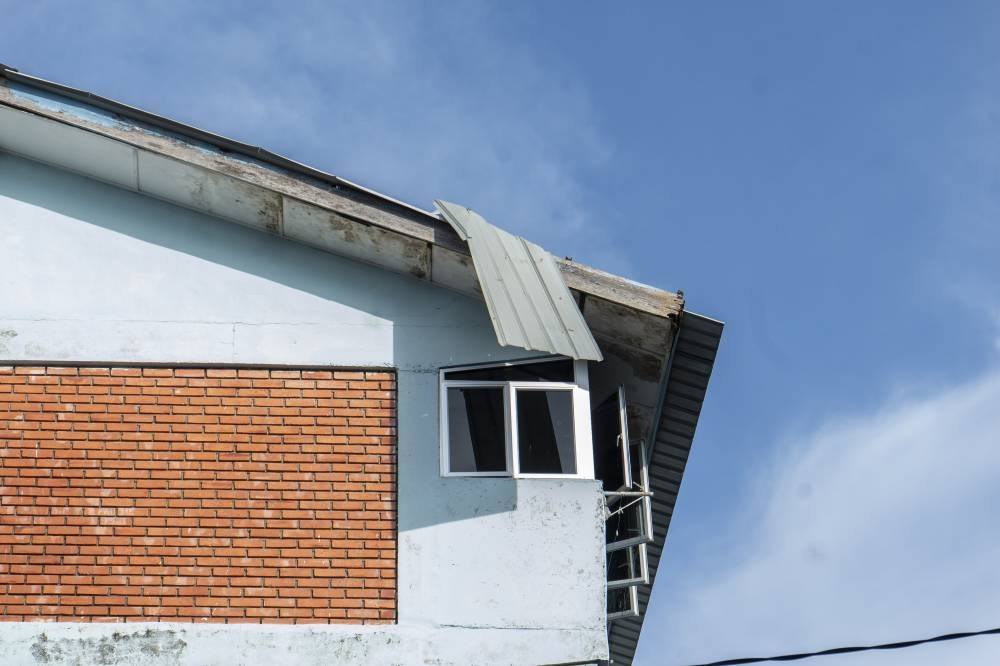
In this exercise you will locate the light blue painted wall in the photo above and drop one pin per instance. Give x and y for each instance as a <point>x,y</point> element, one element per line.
<point>490,570</point>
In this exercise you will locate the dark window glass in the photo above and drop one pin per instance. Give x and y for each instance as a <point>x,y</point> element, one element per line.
<point>606,427</point>
<point>623,565</point>
<point>619,600</point>
<point>627,523</point>
<point>545,432</point>
<point>550,371</point>
<point>476,430</point>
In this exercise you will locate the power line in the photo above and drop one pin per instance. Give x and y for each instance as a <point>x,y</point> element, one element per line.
<point>857,648</point>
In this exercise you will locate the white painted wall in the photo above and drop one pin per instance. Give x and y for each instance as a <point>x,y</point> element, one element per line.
<point>491,571</point>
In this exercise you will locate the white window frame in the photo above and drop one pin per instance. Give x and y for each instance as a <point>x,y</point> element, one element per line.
<point>582,438</point>
<point>633,610</point>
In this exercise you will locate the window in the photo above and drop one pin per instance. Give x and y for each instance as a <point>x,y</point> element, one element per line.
<point>527,418</point>
<point>622,464</point>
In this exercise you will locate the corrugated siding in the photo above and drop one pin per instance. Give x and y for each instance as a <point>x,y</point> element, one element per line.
<point>528,301</point>
<point>694,356</point>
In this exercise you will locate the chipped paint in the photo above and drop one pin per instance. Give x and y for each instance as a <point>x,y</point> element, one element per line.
<point>6,335</point>
<point>150,647</point>
<point>65,106</point>
<point>171,644</point>
<point>341,235</point>
<point>204,191</point>
<point>454,270</point>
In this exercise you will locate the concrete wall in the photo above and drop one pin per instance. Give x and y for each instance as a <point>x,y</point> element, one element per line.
<point>490,570</point>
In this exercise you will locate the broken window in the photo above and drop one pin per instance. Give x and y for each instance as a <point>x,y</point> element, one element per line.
<point>516,419</point>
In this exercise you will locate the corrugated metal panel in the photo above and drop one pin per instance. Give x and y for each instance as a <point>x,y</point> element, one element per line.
<point>690,370</point>
<point>527,299</point>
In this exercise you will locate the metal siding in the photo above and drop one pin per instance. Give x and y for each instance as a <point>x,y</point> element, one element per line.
<point>527,298</point>
<point>690,370</point>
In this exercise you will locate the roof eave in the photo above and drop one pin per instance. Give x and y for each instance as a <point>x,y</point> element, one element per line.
<point>261,168</point>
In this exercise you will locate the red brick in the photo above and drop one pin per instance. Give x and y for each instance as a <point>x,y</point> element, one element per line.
<point>197,494</point>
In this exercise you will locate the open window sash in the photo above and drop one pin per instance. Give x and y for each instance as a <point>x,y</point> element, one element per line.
<point>628,566</point>
<point>629,522</point>
<point>629,508</point>
<point>623,466</point>
<point>623,441</point>
<point>623,602</point>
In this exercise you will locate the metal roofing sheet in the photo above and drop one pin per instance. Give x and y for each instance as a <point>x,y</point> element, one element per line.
<point>691,367</point>
<point>528,301</point>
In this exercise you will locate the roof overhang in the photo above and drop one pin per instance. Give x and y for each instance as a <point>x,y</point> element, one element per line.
<point>133,149</point>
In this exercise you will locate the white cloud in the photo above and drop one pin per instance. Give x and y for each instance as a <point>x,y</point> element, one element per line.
<point>877,528</point>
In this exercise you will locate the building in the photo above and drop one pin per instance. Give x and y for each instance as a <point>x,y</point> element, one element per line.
<point>254,413</point>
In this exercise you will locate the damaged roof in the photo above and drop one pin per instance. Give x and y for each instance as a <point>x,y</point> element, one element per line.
<point>662,354</point>
<point>528,301</point>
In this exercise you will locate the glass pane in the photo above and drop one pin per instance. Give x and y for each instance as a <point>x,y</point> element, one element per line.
<point>621,600</point>
<point>476,430</point>
<point>545,432</point>
<point>621,565</point>
<point>550,371</point>
<point>606,427</point>
<point>627,522</point>
<point>637,462</point>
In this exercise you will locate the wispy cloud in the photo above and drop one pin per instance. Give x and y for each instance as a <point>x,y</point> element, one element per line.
<point>960,169</point>
<point>874,528</point>
<point>413,99</point>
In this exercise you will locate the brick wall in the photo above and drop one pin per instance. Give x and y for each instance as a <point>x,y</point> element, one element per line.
<point>185,494</point>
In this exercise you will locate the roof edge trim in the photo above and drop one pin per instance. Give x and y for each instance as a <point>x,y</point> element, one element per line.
<point>205,136</point>
<point>301,182</point>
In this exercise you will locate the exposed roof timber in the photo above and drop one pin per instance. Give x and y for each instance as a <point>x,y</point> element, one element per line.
<point>169,139</point>
<point>526,296</point>
<point>616,289</point>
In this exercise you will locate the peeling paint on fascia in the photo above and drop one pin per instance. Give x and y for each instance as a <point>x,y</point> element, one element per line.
<point>64,105</point>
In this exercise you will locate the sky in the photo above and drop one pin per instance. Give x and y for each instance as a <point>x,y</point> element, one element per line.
<point>822,176</point>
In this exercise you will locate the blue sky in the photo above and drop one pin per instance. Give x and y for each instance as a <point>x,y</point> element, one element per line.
<point>825,177</point>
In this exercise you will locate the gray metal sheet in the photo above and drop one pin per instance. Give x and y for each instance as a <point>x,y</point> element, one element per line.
<point>527,298</point>
<point>691,367</point>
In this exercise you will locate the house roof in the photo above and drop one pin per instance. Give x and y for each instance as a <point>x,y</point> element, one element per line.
<point>634,326</point>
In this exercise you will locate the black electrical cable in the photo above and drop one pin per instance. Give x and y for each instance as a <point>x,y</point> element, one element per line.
<point>845,650</point>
